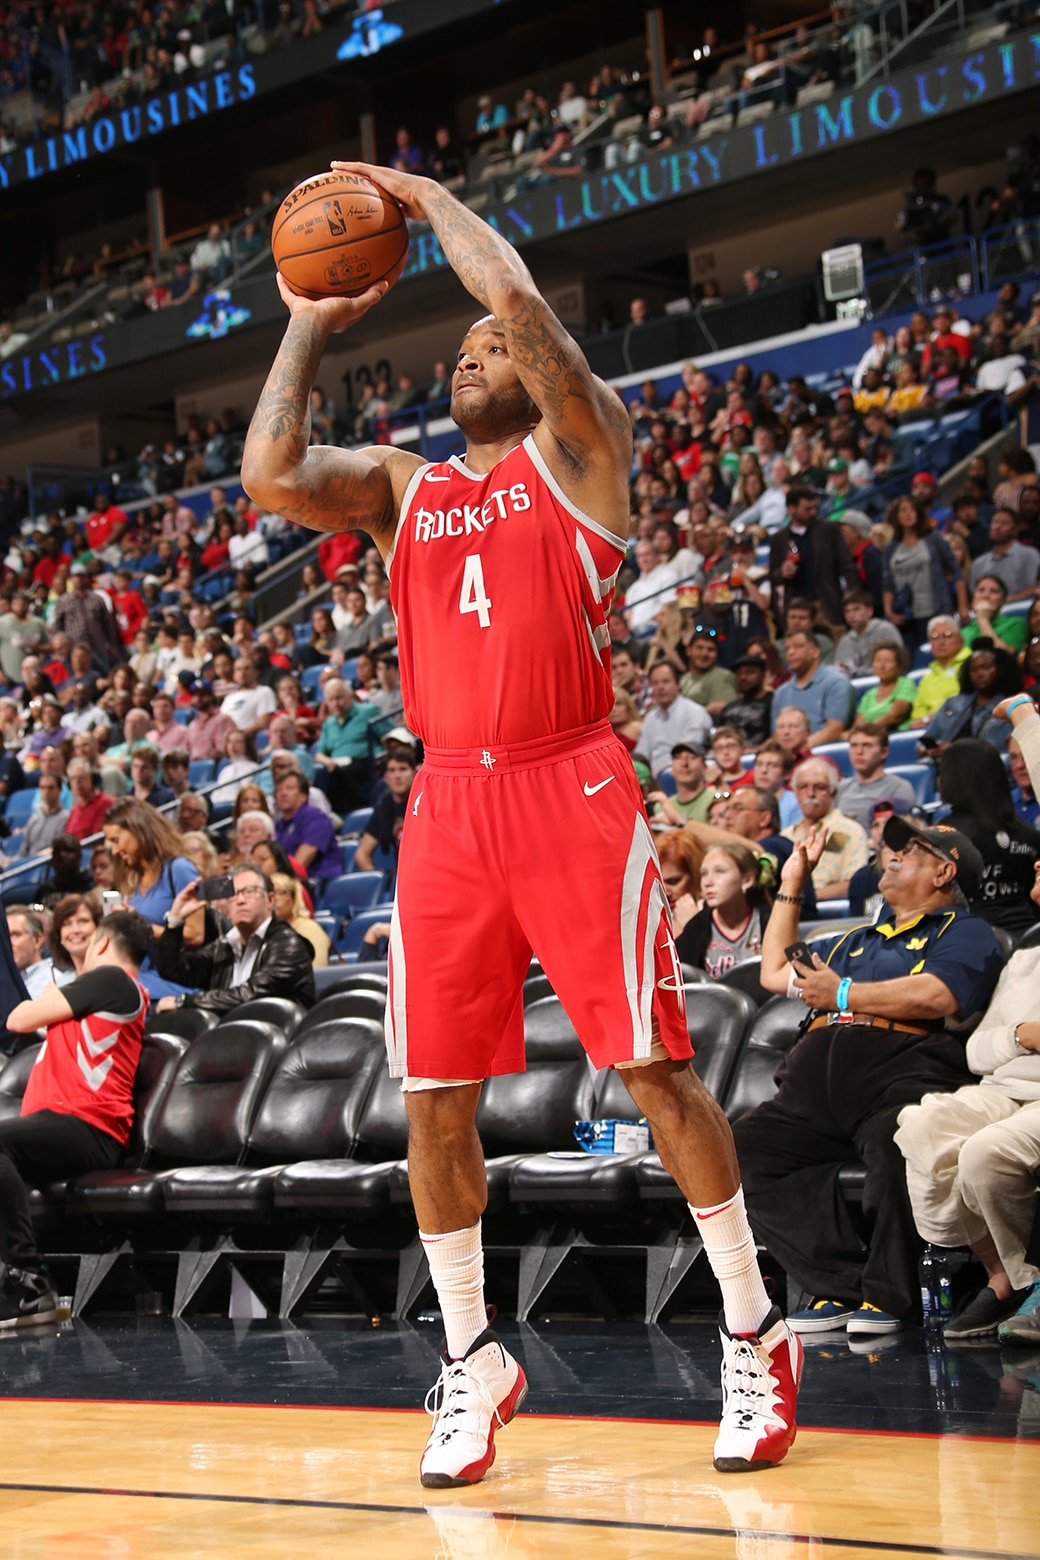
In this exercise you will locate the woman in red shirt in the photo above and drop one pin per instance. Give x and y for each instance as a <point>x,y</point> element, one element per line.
<point>217,553</point>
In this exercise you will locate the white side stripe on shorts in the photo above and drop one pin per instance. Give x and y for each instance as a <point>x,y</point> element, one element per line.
<point>641,887</point>
<point>396,1022</point>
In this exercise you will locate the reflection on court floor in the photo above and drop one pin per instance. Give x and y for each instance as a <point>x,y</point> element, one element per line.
<point>208,1440</point>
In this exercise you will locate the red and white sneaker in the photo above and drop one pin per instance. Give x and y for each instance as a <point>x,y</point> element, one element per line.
<point>471,1398</point>
<point>760,1377</point>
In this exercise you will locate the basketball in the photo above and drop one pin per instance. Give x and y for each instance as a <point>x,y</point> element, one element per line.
<point>336,234</point>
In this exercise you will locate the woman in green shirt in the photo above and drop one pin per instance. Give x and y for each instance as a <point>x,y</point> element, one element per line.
<point>890,703</point>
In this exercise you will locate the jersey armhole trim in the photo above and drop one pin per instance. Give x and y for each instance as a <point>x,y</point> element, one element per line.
<point>538,459</point>
<point>409,494</point>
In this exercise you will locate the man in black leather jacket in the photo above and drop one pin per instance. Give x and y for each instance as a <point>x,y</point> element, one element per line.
<point>260,956</point>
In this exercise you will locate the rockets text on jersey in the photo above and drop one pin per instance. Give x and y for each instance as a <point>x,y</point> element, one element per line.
<point>501,587</point>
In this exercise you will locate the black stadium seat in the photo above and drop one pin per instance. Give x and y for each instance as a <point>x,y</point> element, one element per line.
<point>745,977</point>
<point>717,1017</point>
<point>160,1053</point>
<point>548,1032</point>
<point>582,1189</point>
<point>356,1003</point>
<point>13,1081</point>
<point>186,1022</point>
<point>204,1118</point>
<point>521,1114</point>
<point>359,1187</point>
<point>772,1031</point>
<point>1006,941</point>
<point>340,976</point>
<point>312,1106</point>
<point>536,987</point>
<point>283,1013</point>
<point>535,1110</point>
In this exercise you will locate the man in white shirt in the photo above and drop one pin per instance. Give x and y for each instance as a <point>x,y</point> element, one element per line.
<point>25,930</point>
<point>1005,371</point>
<point>670,720</point>
<point>246,547</point>
<point>183,659</point>
<point>341,613</point>
<point>211,257</point>
<point>874,357</point>
<point>250,706</point>
<point>655,586</point>
<point>571,108</point>
<point>83,714</point>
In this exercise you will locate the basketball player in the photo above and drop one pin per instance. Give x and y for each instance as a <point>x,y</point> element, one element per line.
<point>526,829</point>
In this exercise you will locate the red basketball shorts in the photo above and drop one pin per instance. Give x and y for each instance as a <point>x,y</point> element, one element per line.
<point>537,847</point>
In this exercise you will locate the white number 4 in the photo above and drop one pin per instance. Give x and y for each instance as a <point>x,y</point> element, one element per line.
<point>473,597</point>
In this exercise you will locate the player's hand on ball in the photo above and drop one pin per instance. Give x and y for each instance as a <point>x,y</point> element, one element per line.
<point>407,189</point>
<point>335,314</point>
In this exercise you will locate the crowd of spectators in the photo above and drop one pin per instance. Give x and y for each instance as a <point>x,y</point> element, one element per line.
<point>77,61</point>
<point>798,593</point>
<point>119,683</point>
<point>790,565</point>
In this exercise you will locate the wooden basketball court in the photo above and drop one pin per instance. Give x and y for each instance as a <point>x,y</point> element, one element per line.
<point>132,1475</point>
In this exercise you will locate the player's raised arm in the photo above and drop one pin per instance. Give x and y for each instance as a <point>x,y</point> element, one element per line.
<point>323,488</point>
<point>582,412</point>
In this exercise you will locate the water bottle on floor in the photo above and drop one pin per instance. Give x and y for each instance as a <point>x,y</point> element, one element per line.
<point>936,1286</point>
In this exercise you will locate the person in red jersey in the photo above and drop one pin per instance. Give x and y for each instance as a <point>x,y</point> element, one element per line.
<point>78,1108</point>
<point>105,525</point>
<point>504,563</point>
<point>131,612</point>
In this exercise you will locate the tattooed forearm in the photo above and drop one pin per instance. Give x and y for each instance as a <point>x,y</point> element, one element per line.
<point>485,263</point>
<point>283,412</point>
<point>325,489</point>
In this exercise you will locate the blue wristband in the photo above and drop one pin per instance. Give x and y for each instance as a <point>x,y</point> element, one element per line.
<point>841,1000</point>
<point>1023,698</point>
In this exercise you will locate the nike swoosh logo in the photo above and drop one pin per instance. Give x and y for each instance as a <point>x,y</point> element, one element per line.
<point>590,790</point>
<point>431,476</point>
<point>669,984</point>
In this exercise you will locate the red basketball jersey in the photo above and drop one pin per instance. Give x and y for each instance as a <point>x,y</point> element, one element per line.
<point>501,587</point>
<point>86,1067</point>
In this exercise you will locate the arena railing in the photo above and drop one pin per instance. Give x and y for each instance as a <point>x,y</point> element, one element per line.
<point>955,268</point>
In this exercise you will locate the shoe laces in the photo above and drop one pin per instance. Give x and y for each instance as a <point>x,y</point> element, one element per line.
<point>448,1398</point>
<point>747,1381</point>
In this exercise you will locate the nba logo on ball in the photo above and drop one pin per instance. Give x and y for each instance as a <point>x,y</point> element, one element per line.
<point>334,217</point>
<point>336,234</point>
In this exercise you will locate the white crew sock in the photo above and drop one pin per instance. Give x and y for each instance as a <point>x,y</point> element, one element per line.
<point>457,1268</point>
<point>730,1245</point>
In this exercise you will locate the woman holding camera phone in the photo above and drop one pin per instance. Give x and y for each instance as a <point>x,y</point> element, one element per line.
<point>150,871</point>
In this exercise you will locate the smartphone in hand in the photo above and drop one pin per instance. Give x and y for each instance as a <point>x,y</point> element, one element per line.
<point>216,888</point>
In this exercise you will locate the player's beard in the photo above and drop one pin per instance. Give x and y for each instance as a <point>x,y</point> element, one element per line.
<point>485,416</point>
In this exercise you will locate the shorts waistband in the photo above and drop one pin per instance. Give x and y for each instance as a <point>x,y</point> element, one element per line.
<point>504,758</point>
